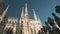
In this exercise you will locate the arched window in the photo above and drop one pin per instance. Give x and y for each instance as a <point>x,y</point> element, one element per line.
<point>21,23</point>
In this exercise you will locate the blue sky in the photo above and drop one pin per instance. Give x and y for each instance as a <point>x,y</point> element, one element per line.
<point>43,8</point>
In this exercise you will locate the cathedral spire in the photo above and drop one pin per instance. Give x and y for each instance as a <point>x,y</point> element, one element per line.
<point>40,22</point>
<point>22,15</point>
<point>26,10</point>
<point>5,11</point>
<point>35,16</point>
<point>3,14</point>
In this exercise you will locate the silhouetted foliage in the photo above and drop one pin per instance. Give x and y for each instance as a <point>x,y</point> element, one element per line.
<point>55,29</point>
<point>50,21</point>
<point>46,23</point>
<point>57,9</point>
<point>48,27</point>
<point>57,19</point>
<point>53,14</point>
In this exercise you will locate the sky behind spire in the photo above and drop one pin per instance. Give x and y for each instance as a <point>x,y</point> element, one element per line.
<point>44,8</point>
